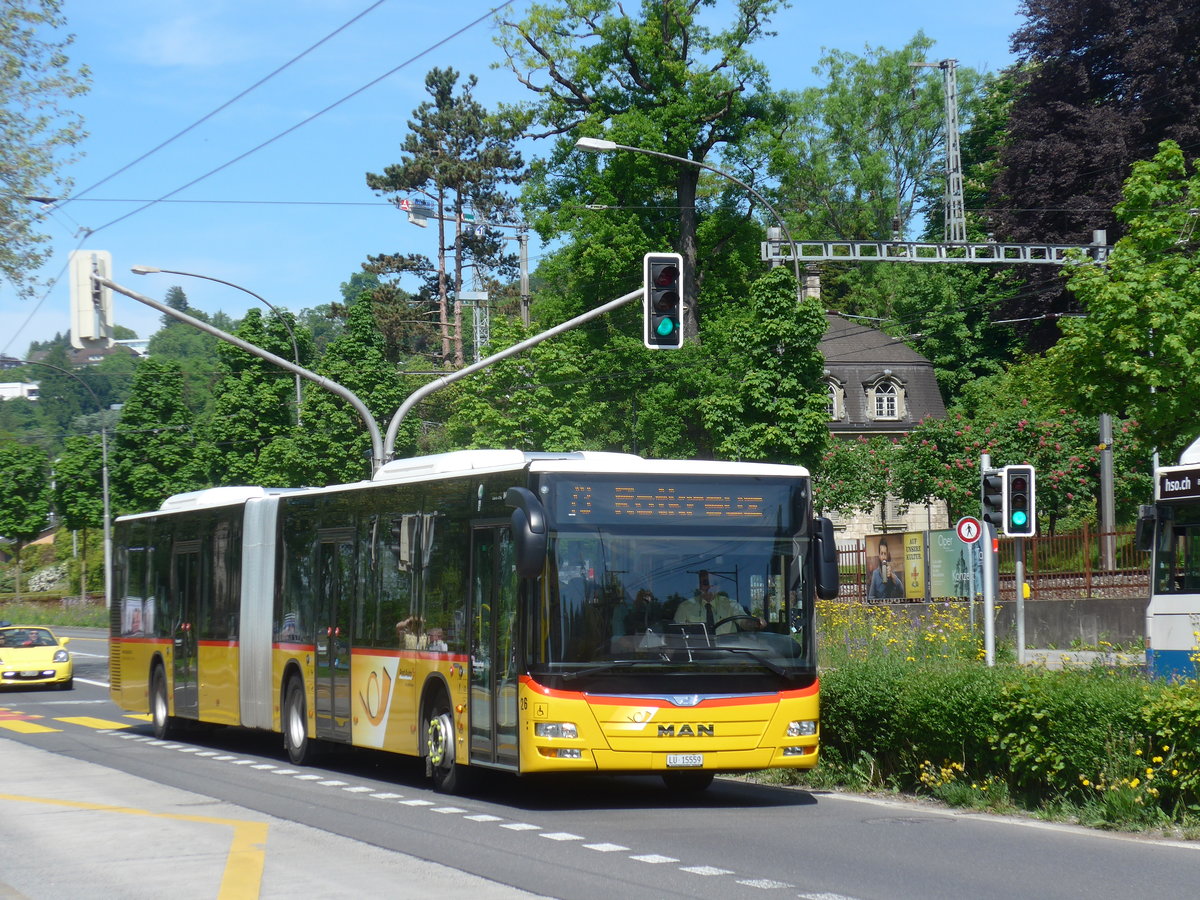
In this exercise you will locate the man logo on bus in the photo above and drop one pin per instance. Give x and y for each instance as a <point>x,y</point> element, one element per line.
<point>687,731</point>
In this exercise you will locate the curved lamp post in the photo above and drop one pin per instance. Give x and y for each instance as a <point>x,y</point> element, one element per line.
<point>103,477</point>
<point>152,270</point>
<point>600,145</point>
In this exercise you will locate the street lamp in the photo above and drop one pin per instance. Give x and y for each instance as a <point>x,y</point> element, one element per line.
<point>600,145</point>
<point>103,477</point>
<point>152,270</point>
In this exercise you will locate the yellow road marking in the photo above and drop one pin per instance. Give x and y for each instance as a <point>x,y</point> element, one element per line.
<point>91,722</point>
<point>141,717</point>
<point>22,727</point>
<point>247,850</point>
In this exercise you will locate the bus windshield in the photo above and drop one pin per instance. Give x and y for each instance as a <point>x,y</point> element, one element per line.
<point>722,603</point>
<point>1177,562</point>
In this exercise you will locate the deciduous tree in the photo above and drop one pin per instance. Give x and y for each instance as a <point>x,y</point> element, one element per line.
<point>661,78</point>
<point>38,129</point>
<point>1136,352</point>
<point>25,499</point>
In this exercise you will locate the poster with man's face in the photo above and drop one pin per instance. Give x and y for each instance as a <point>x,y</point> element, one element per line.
<point>885,566</point>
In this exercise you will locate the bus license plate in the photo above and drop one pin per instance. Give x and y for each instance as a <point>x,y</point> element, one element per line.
<point>685,760</point>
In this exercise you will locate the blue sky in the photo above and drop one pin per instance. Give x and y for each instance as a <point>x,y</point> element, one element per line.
<point>294,220</point>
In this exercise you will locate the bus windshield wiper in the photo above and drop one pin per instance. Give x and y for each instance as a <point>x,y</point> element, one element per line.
<point>596,670</point>
<point>758,657</point>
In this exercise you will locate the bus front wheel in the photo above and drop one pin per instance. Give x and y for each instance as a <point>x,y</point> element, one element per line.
<point>164,725</point>
<point>448,776</point>
<point>300,749</point>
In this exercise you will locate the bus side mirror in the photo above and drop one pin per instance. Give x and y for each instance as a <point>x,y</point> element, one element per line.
<point>825,558</point>
<point>530,538</point>
<point>1144,535</point>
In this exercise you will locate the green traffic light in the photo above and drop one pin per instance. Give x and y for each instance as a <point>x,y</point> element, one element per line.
<point>665,328</point>
<point>1019,518</point>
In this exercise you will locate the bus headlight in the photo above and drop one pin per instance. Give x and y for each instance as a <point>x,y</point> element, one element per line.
<point>555,730</point>
<point>803,728</point>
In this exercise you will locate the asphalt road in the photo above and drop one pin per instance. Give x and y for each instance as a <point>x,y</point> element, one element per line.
<point>366,824</point>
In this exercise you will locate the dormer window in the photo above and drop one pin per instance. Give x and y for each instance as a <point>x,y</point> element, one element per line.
<point>836,395</point>
<point>885,399</point>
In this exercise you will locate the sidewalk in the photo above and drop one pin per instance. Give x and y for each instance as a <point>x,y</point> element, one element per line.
<point>75,829</point>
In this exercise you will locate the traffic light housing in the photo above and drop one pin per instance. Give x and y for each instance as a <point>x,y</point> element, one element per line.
<point>662,303</point>
<point>1020,511</point>
<point>993,497</point>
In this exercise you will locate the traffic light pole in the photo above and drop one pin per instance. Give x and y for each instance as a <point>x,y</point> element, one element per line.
<point>329,385</point>
<point>1020,573</point>
<point>990,579</point>
<point>389,443</point>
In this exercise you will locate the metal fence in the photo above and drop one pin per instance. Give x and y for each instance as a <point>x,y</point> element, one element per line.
<point>1083,565</point>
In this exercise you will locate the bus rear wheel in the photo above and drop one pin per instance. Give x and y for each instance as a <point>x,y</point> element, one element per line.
<point>300,749</point>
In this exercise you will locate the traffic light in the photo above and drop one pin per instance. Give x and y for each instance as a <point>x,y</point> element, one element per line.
<point>1020,513</point>
<point>662,305</point>
<point>993,497</point>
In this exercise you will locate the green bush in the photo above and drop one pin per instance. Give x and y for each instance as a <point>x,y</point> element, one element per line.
<point>52,610</point>
<point>1056,728</point>
<point>1106,747</point>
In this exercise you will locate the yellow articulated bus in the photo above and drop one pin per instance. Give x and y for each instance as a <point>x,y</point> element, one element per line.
<point>489,609</point>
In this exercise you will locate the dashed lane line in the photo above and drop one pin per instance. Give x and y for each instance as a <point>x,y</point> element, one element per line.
<point>701,871</point>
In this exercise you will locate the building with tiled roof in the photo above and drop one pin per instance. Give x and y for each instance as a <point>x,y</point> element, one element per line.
<point>879,386</point>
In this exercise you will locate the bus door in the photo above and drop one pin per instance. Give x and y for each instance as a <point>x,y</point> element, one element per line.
<point>185,589</point>
<point>335,596</point>
<point>493,705</point>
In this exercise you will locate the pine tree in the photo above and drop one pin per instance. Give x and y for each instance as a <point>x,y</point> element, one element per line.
<point>458,157</point>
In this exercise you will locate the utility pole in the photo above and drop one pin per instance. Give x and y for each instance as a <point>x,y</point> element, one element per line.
<point>955,207</point>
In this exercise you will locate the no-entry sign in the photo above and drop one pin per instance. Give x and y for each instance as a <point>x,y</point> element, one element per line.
<point>968,529</point>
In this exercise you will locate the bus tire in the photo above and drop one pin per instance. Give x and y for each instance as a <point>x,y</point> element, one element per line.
<point>687,782</point>
<point>301,750</point>
<point>448,776</point>
<point>165,726</point>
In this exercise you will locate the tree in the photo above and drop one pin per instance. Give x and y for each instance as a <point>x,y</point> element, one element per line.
<point>944,312</point>
<point>61,396</point>
<point>154,449</point>
<point>255,403</point>
<point>1098,86</point>
<point>765,399</point>
<point>662,80</point>
<point>37,128</point>
<point>543,399</point>
<point>79,491</point>
<point>859,154</point>
<point>25,500</point>
<point>1136,353</point>
<point>194,350</point>
<point>458,157</point>
<point>339,449</point>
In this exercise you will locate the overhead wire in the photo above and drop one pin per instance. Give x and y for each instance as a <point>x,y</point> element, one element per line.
<point>226,104</point>
<point>370,84</point>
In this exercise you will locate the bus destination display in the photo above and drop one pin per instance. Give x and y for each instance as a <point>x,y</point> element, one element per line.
<point>603,502</point>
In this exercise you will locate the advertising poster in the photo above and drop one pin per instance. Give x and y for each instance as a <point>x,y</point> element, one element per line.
<point>914,565</point>
<point>949,558</point>
<point>885,567</point>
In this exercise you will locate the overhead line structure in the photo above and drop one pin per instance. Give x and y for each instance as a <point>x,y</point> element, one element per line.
<point>987,253</point>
